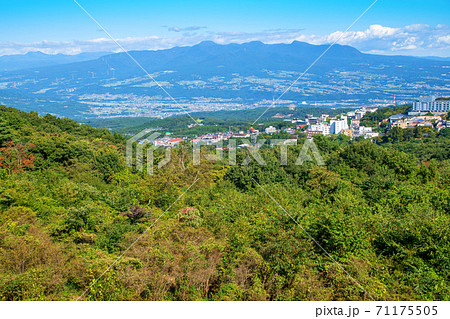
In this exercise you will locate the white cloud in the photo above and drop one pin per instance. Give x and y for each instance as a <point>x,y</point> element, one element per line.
<point>191,28</point>
<point>374,32</point>
<point>417,39</point>
<point>444,39</point>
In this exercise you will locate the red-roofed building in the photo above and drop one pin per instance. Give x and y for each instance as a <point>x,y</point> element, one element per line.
<point>175,141</point>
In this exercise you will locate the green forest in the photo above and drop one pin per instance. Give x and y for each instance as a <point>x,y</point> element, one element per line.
<point>71,212</point>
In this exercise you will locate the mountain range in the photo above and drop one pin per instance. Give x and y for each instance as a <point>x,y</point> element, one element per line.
<point>210,76</point>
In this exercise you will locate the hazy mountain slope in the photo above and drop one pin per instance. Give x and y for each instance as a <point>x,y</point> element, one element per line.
<point>39,59</point>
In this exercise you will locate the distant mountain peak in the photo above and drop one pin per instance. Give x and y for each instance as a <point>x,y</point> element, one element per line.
<point>207,43</point>
<point>296,42</point>
<point>255,43</point>
<point>36,53</point>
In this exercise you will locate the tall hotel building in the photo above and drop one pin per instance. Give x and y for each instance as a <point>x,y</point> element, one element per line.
<point>430,104</point>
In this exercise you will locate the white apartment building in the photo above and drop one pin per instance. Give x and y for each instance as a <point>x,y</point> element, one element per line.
<point>270,130</point>
<point>337,126</point>
<point>324,117</point>
<point>430,104</point>
<point>364,129</point>
<point>322,127</point>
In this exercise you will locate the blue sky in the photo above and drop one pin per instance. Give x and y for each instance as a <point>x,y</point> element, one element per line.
<point>61,26</point>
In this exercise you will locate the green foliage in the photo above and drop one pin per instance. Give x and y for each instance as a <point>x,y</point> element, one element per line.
<point>108,162</point>
<point>382,211</point>
<point>190,216</point>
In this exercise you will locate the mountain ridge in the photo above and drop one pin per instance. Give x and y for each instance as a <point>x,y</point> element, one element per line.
<point>211,76</point>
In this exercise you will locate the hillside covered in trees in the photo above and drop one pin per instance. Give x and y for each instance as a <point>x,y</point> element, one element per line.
<point>70,208</point>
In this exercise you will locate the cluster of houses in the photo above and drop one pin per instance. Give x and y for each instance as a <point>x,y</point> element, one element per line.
<point>348,124</point>
<point>411,121</point>
<point>206,139</point>
<point>426,112</point>
<point>212,138</point>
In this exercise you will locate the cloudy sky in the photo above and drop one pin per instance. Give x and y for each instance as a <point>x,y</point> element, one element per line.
<point>404,27</point>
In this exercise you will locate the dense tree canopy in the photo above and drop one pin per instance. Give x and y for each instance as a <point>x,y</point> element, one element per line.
<point>382,211</point>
